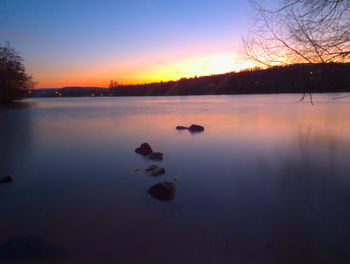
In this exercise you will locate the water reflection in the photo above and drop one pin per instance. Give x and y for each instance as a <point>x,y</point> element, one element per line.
<point>266,182</point>
<point>16,134</point>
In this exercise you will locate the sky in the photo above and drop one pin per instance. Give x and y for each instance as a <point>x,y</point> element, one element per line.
<point>89,43</point>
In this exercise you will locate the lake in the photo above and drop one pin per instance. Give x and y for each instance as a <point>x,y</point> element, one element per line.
<point>268,181</point>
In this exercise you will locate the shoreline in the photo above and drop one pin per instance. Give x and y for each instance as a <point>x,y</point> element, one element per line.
<point>292,79</point>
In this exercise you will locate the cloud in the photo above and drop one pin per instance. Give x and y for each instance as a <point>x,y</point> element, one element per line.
<point>16,35</point>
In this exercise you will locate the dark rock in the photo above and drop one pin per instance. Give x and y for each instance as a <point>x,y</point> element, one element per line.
<point>144,149</point>
<point>156,156</point>
<point>181,128</point>
<point>8,178</point>
<point>164,191</point>
<point>196,128</point>
<point>193,128</point>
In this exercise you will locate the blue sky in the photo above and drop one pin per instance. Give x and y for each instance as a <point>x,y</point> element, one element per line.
<point>91,42</point>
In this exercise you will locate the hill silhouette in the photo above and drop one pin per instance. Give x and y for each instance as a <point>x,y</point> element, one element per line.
<point>297,78</point>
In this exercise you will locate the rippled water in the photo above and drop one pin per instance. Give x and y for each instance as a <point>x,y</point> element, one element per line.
<point>268,181</point>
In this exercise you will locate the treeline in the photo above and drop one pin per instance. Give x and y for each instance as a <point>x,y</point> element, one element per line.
<point>289,79</point>
<point>297,78</point>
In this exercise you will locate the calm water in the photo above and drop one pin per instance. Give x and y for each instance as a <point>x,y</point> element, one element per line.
<point>267,182</point>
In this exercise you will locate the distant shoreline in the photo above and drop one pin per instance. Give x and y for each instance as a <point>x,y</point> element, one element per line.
<point>173,95</point>
<point>292,79</point>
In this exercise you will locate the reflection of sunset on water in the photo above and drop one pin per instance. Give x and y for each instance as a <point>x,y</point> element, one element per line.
<point>230,121</point>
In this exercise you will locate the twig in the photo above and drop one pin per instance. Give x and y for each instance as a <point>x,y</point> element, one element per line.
<point>340,97</point>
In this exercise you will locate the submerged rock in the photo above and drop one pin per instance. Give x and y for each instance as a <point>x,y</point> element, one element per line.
<point>8,178</point>
<point>196,128</point>
<point>145,149</point>
<point>164,191</point>
<point>151,167</point>
<point>156,156</point>
<point>158,172</point>
<point>154,170</point>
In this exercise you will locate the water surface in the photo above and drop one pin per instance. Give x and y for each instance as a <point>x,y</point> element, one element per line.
<point>267,181</point>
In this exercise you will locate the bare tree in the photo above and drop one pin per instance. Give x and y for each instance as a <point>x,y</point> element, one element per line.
<point>299,31</point>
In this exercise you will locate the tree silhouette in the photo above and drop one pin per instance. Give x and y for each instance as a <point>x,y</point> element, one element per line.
<point>113,84</point>
<point>13,77</point>
<point>299,31</point>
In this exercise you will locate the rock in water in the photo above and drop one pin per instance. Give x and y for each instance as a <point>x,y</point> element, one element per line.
<point>8,178</point>
<point>193,128</point>
<point>154,170</point>
<point>181,128</point>
<point>158,172</point>
<point>151,168</point>
<point>156,156</point>
<point>145,149</point>
<point>196,128</point>
<point>164,191</point>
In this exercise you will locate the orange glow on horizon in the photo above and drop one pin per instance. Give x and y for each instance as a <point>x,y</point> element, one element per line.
<point>146,71</point>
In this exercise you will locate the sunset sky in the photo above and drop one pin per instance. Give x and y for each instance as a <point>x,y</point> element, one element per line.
<point>89,43</point>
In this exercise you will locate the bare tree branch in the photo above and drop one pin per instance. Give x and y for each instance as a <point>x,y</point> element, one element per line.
<point>299,31</point>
